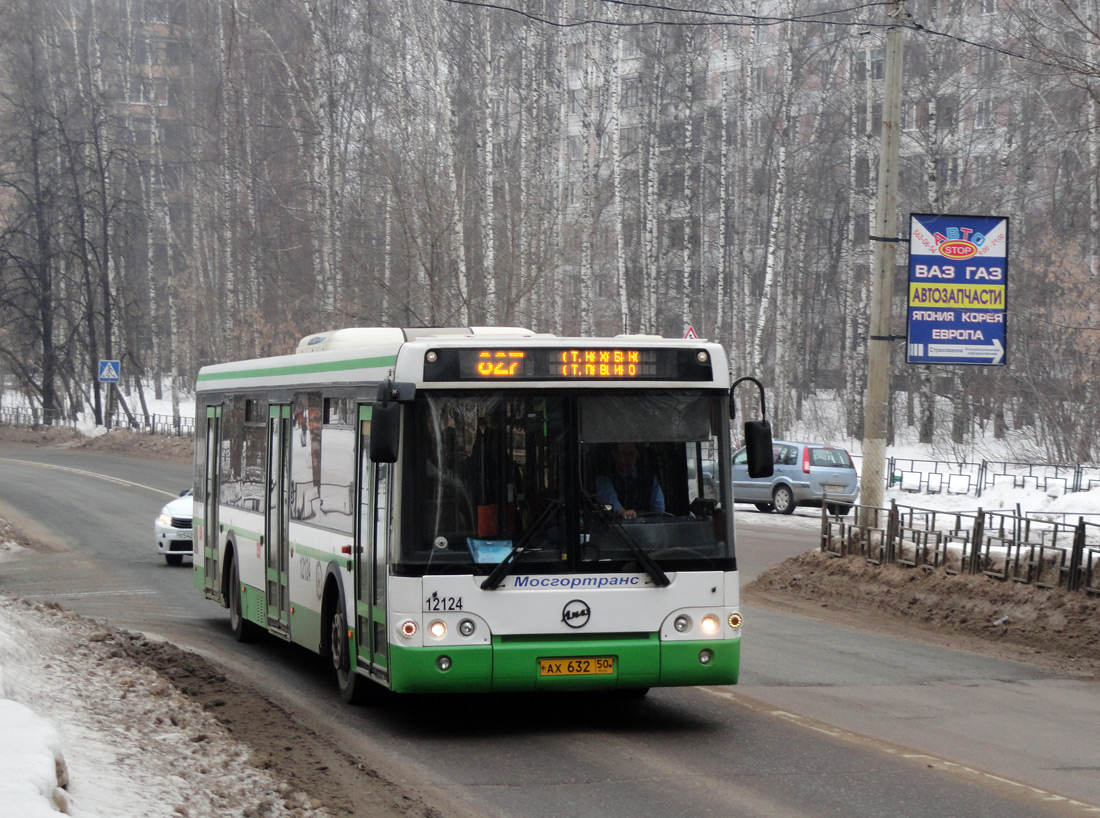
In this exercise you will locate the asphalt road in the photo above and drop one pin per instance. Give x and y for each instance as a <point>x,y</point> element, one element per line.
<point>827,721</point>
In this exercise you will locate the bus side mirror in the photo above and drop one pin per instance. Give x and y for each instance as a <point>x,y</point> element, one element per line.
<point>758,435</point>
<point>385,432</point>
<point>385,422</point>
<point>758,448</point>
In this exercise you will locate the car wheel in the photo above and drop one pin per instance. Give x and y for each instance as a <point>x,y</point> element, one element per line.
<point>173,559</point>
<point>243,630</point>
<point>839,509</point>
<point>767,508</point>
<point>783,499</point>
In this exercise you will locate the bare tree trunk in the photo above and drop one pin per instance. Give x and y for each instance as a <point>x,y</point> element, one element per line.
<point>615,126</point>
<point>725,233</point>
<point>488,200</point>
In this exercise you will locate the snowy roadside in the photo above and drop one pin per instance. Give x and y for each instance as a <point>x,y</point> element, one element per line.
<point>92,733</point>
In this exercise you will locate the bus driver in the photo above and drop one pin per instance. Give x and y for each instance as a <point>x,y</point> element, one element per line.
<point>630,488</point>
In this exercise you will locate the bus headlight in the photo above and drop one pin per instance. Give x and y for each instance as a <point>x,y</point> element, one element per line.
<point>709,624</point>
<point>408,629</point>
<point>438,629</point>
<point>443,663</point>
<point>706,656</point>
<point>467,627</point>
<point>734,620</point>
<point>682,623</point>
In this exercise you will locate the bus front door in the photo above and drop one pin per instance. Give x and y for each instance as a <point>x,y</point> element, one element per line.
<point>207,539</point>
<point>276,524</point>
<point>372,537</point>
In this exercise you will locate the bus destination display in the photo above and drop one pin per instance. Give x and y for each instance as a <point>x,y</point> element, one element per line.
<point>566,363</point>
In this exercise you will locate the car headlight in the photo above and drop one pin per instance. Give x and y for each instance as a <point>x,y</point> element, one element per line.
<point>165,519</point>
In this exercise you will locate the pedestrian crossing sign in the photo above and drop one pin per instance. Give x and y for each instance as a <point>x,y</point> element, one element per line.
<point>109,371</point>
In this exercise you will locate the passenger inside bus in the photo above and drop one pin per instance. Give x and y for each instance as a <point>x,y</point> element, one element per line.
<point>629,485</point>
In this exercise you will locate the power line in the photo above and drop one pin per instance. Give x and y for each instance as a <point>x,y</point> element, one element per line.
<point>724,18</point>
<point>745,20</point>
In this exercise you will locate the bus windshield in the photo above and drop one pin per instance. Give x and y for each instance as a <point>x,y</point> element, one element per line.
<point>581,481</point>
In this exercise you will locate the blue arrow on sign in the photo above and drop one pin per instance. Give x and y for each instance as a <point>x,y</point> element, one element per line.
<point>109,371</point>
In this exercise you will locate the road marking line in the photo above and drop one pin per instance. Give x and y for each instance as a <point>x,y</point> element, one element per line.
<point>123,592</point>
<point>97,475</point>
<point>935,762</point>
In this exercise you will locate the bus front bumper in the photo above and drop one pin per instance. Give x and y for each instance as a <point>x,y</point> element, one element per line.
<point>513,664</point>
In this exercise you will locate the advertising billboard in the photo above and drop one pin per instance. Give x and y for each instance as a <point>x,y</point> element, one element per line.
<point>958,290</point>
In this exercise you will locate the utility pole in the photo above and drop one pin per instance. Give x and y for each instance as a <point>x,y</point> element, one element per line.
<point>883,236</point>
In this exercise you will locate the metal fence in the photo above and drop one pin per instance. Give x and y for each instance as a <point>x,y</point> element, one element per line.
<point>152,424</point>
<point>158,424</point>
<point>1038,550</point>
<point>960,477</point>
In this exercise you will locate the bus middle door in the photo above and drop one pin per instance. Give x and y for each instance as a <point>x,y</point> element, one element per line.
<point>372,537</point>
<point>276,522</point>
<point>206,540</point>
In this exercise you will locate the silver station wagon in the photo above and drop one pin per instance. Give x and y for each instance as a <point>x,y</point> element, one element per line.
<point>806,474</point>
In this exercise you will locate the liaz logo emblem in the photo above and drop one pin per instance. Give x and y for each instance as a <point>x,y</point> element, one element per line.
<point>576,613</point>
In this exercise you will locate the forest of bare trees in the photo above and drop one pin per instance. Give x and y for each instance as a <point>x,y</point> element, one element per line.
<point>189,182</point>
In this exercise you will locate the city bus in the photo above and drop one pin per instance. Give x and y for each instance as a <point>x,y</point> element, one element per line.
<point>432,510</point>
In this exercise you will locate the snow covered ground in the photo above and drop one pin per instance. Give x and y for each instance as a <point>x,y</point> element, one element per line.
<point>90,732</point>
<point>96,735</point>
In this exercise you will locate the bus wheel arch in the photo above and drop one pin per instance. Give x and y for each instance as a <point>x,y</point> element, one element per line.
<point>335,640</point>
<point>243,629</point>
<point>228,566</point>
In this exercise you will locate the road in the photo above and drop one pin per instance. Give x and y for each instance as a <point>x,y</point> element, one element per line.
<point>826,720</point>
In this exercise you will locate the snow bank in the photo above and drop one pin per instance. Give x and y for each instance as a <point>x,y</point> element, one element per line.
<point>33,766</point>
<point>134,746</point>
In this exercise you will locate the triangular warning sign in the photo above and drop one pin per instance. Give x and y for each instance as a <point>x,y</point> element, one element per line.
<point>691,333</point>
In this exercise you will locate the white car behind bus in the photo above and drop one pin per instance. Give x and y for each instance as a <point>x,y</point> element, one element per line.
<point>173,529</point>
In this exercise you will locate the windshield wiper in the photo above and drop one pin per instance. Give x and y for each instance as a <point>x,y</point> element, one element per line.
<point>659,577</point>
<point>504,567</point>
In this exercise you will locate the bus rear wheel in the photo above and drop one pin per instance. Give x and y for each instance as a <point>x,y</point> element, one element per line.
<point>243,630</point>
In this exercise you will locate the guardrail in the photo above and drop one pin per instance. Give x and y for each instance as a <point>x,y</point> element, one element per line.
<point>1037,550</point>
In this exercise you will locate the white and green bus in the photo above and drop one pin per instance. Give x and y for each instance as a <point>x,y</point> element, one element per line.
<point>435,510</point>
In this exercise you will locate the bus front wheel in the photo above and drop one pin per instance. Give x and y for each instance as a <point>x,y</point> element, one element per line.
<point>352,686</point>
